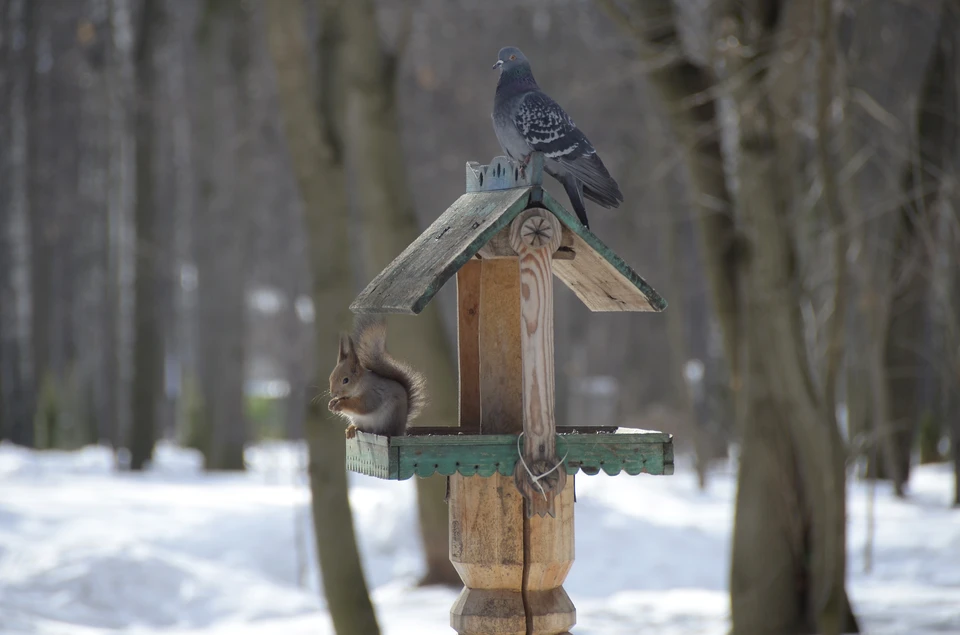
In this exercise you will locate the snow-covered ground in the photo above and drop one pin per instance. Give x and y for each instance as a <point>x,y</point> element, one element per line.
<point>84,551</point>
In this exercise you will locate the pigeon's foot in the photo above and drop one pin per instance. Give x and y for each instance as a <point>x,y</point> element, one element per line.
<point>523,165</point>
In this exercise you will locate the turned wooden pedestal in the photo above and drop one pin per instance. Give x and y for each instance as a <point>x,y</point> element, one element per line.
<point>513,567</point>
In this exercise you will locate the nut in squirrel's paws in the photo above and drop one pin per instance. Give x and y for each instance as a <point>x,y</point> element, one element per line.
<point>350,432</point>
<point>334,405</point>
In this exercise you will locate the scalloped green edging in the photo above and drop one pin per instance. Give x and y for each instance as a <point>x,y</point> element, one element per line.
<point>400,458</point>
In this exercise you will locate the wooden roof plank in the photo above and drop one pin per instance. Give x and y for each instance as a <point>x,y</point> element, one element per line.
<point>409,282</point>
<point>599,277</point>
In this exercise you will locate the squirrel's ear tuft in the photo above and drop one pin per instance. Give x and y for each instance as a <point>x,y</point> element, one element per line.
<point>346,347</point>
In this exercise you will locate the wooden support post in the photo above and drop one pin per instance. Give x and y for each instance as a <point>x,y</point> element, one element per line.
<point>501,397</point>
<point>468,345</point>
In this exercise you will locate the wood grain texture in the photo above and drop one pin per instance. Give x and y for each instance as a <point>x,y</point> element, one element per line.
<point>400,458</point>
<point>486,548</point>
<point>499,246</point>
<point>599,277</point>
<point>501,396</point>
<point>547,558</point>
<point>468,345</point>
<point>409,282</point>
<point>535,235</point>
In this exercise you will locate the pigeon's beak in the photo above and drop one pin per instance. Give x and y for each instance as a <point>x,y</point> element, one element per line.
<point>497,65</point>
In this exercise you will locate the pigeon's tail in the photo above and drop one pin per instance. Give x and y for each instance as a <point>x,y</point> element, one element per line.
<point>575,191</point>
<point>603,198</point>
<point>598,185</point>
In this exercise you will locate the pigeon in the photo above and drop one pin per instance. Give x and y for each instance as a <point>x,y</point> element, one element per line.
<point>527,120</point>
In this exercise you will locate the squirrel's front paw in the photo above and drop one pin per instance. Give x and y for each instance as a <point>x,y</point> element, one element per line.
<point>334,405</point>
<point>350,432</point>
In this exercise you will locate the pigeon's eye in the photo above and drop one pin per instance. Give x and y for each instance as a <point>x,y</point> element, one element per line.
<point>513,57</point>
<point>346,380</point>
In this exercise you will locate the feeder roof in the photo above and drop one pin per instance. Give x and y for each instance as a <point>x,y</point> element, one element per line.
<point>496,194</point>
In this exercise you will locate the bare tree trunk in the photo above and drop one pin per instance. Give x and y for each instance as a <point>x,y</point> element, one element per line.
<point>315,151</point>
<point>939,132</point>
<point>41,177</point>
<point>915,249</point>
<point>789,551</point>
<point>787,576</point>
<point>17,383</point>
<point>684,89</point>
<point>903,355</point>
<point>119,217</point>
<point>224,220</point>
<point>148,345</point>
<point>676,321</point>
<point>389,223</point>
<point>52,134</point>
<point>952,310</point>
<point>90,237</point>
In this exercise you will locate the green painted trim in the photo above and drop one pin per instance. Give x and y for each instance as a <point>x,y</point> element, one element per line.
<point>371,455</point>
<point>571,221</point>
<point>399,458</point>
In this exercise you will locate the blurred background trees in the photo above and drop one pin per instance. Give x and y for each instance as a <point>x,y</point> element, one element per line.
<point>192,192</point>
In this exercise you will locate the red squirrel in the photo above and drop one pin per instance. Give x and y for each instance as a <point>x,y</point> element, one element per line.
<point>374,391</point>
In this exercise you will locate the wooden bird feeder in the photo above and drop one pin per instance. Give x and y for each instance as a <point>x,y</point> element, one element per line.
<point>510,502</point>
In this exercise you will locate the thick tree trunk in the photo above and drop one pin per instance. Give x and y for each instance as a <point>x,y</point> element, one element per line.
<point>389,224</point>
<point>318,165</point>
<point>17,384</point>
<point>42,182</point>
<point>89,310</point>
<point>788,572</point>
<point>52,132</point>
<point>147,345</point>
<point>224,220</point>
<point>789,552</point>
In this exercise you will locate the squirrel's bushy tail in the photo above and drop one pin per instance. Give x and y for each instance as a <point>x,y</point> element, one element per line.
<point>370,339</point>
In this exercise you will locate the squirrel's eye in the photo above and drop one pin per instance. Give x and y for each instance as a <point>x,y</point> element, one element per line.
<point>346,380</point>
<point>513,57</point>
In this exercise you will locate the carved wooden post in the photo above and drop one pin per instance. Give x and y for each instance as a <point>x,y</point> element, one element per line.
<point>535,235</point>
<point>548,517</point>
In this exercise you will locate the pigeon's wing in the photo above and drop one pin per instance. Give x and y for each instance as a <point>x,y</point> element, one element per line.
<point>550,130</point>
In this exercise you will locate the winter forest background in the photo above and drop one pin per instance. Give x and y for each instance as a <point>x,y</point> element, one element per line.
<point>193,191</point>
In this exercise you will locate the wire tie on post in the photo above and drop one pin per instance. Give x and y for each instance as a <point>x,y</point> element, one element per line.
<point>536,479</point>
